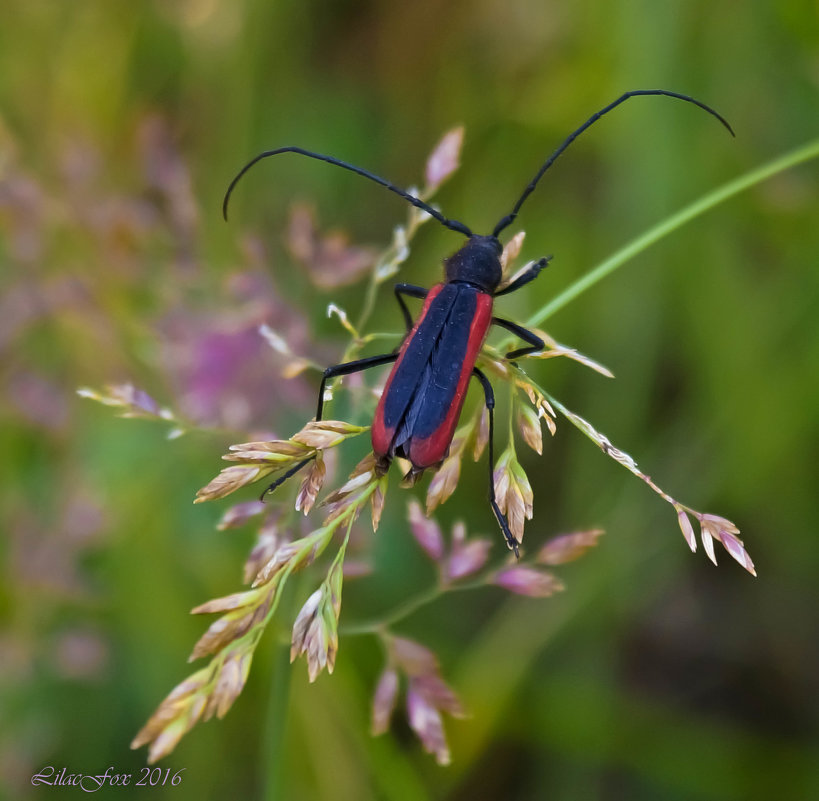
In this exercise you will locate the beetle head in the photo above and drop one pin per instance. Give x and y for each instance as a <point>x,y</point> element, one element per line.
<point>477,262</point>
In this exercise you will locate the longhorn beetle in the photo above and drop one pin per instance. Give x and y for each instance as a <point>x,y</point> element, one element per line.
<point>425,392</point>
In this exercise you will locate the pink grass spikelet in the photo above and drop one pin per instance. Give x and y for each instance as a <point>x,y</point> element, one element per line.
<point>311,485</point>
<point>467,556</point>
<point>511,251</point>
<point>524,580</point>
<point>445,479</point>
<point>384,700</point>
<point>239,514</point>
<point>426,531</point>
<point>513,492</point>
<point>567,547</point>
<point>229,480</point>
<point>444,159</point>
<point>687,529</point>
<point>268,541</point>
<point>425,720</point>
<point>529,427</point>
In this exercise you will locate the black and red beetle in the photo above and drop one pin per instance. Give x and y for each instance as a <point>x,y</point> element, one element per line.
<point>425,392</point>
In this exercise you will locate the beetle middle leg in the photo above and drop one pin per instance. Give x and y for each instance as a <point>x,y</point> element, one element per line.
<point>347,368</point>
<point>535,342</point>
<point>412,291</point>
<point>489,397</point>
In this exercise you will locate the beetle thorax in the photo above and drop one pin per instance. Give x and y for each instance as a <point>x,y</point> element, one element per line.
<point>477,262</point>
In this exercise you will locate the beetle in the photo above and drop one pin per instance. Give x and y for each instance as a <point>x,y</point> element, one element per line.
<point>422,400</point>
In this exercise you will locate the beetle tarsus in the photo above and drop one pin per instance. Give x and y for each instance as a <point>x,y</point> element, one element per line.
<point>511,542</point>
<point>523,279</point>
<point>281,479</point>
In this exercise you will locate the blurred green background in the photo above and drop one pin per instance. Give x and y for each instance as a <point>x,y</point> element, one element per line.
<point>655,675</point>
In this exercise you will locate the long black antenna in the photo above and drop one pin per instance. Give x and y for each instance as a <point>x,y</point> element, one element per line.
<point>508,219</point>
<point>453,225</point>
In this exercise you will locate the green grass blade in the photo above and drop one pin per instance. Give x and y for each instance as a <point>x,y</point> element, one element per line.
<point>670,224</point>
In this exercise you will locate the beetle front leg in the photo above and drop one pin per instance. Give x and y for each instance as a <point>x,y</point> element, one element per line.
<point>525,277</point>
<point>489,397</point>
<point>535,342</point>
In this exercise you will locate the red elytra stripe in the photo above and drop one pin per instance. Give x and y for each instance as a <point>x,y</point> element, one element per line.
<point>430,451</point>
<point>381,435</point>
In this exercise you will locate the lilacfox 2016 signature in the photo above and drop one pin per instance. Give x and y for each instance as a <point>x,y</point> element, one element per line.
<point>148,777</point>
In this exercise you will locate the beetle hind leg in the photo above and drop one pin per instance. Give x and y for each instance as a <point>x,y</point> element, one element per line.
<point>489,397</point>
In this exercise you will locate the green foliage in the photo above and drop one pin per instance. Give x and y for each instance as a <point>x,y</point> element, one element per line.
<point>653,675</point>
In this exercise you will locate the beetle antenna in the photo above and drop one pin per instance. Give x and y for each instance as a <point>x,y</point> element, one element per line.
<point>508,219</point>
<point>453,225</point>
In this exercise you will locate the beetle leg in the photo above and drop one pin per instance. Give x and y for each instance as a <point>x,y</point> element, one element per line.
<point>331,372</point>
<point>489,397</point>
<point>526,277</point>
<point>281,479</point>
<point>535,342</point>
<point>412,291</point>
<point>348,368</point>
